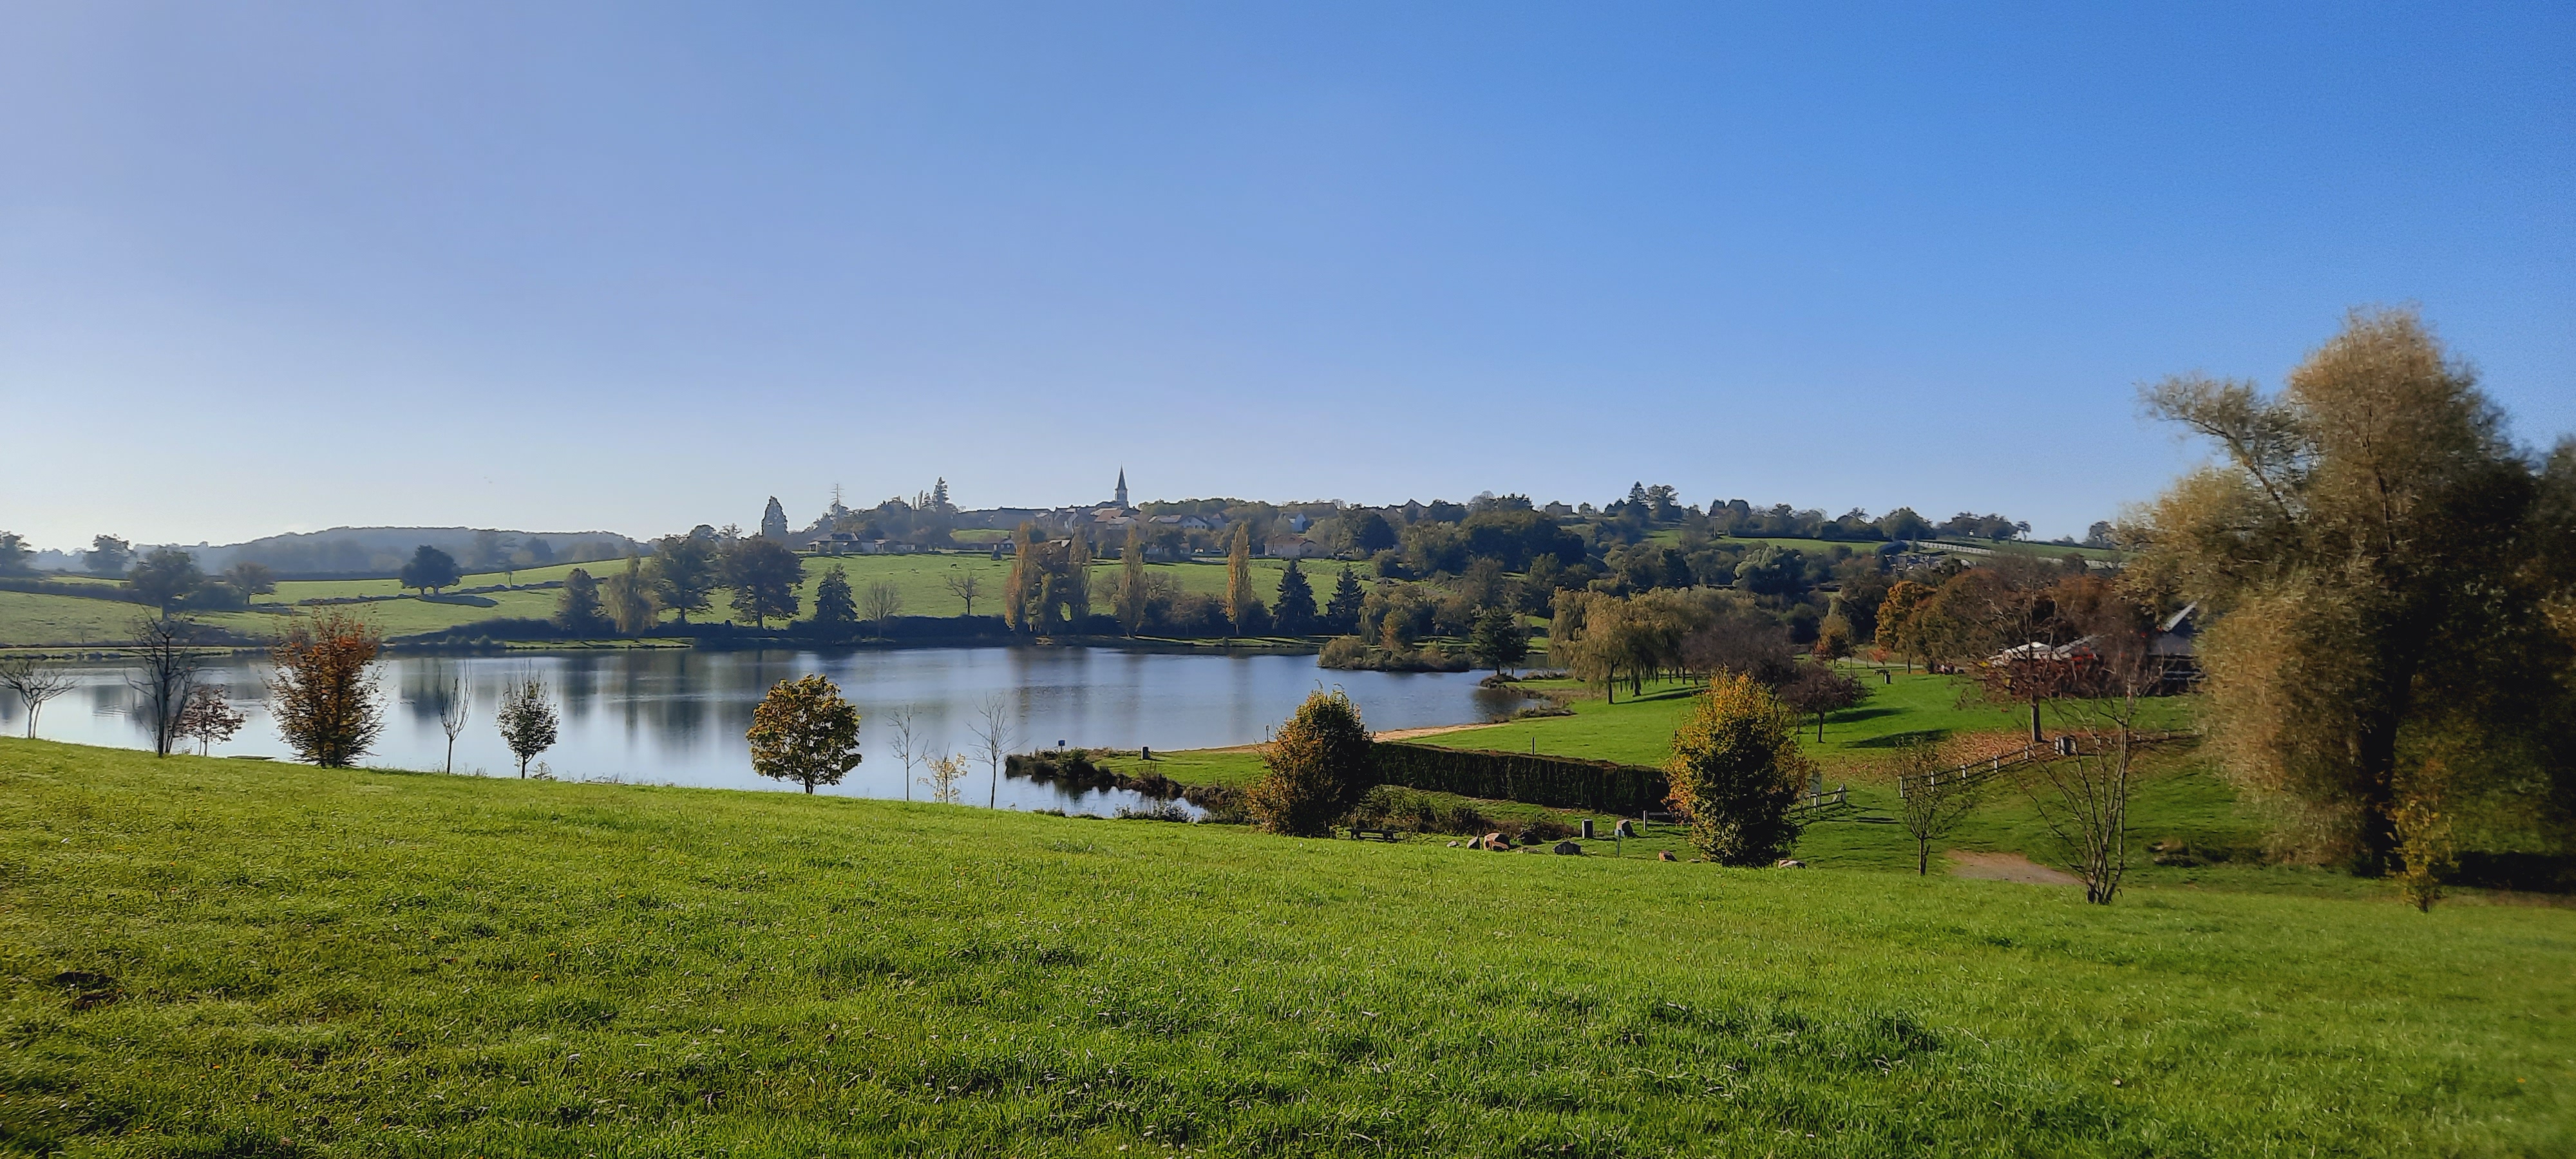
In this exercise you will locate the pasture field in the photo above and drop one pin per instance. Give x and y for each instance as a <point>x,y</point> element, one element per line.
<point>225,957</point>
<point>27,618</point>
<point>289,591</point>
<point>922,579</point>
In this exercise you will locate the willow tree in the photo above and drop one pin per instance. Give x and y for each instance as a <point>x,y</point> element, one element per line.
<point>2378,561</point>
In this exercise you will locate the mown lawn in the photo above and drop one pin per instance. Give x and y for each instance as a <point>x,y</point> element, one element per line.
<point>214,957</point>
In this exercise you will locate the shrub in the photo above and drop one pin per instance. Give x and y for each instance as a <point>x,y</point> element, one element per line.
<point>1413,811</point>
<point>1318,768</point>
<point>1736,769</point>
<point>1155,811</point>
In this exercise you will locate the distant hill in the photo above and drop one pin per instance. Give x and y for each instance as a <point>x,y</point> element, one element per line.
<point>380,551</point>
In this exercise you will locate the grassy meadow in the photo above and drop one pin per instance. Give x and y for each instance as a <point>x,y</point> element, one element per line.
<point>213,957</point>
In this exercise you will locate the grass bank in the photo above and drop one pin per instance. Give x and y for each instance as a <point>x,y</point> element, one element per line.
<point>221,957</point>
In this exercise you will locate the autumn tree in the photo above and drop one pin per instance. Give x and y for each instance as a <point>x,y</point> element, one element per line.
<point>1315,768</point>
<point>1736,770</point>
<point>882,601</point>
<point>1020,590</point>
<point>1896,630</point>
<point>527,720</point>
<point>1239,600</point>
<point>1819,690</point>
<point>324,692</point>
<point>803,731</point>
<point>429,569</point>
<point>2378,562</point>
<point>628,599</point>
<point>1133,594</point>
<point>209,718</point>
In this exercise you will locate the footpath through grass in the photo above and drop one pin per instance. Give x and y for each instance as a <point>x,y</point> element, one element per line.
<point>221,957</point>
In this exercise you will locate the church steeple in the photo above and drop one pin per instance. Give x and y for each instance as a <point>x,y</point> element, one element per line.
<point>1122,486</point>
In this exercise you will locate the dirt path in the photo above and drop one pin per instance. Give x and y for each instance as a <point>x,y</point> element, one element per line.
<point>1411,733</point>
<point>2006,867</point>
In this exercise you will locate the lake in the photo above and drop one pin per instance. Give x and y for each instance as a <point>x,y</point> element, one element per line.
<point>677,716</point>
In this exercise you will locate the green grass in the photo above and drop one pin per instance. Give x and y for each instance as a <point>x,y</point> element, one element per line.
<point>922,579</point>
<point>310,962</point>
<point>31,619</point>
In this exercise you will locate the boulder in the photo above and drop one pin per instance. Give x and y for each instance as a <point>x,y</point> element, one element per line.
<point>1493,841</point>
<point>1790,863</point>
<point>1453,845</point>
<point>1568,849</point>
<point>1666,855</point>
<point>1627,828</point>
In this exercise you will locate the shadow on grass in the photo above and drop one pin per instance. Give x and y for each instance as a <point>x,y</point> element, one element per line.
<point>1898,739</point>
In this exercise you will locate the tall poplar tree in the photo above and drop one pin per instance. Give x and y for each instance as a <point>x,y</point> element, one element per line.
<point>1238,577</point>
<point>1131,582</point>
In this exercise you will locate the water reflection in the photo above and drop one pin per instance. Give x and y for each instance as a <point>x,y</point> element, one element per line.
<point>678,716</point>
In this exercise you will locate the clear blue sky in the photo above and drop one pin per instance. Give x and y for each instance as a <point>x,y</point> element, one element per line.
<point>635,266</point>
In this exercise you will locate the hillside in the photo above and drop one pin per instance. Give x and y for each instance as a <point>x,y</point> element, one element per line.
<point>223,957</point>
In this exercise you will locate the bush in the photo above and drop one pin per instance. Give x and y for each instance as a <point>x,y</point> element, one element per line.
<point>1157,811</point>
<point>1736,769</point>
<point>1557,782</point>
<point>1412,811</point>
<point>1318,768</point>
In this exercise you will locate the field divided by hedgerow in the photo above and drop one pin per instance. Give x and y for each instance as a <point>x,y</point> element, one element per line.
<point>225,957</point>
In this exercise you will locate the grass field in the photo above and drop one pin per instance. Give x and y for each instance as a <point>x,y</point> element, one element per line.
<point>210,957</point>
<point>923,579</point>
<point>28,618</point>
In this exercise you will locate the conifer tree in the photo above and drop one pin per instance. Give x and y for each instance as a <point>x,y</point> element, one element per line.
<point>1296,607</point>
<point>1342,615</point>
<point>833,603</point>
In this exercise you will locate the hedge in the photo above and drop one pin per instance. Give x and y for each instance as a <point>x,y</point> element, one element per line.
<point>1558,782</point>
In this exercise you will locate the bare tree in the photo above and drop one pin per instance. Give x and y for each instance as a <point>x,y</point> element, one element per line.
<point>994,734</point>
<point>1937,797</point>
<point>208,719</point>
<point>167,673</point>
<point>2097,692</point>
<point>966,585</point>
<point>452,712</point>
<point>905,748</point>
<point>34,684</point>
<point>882,601</point>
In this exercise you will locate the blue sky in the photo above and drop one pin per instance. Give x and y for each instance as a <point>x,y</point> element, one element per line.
<point>634,267</point>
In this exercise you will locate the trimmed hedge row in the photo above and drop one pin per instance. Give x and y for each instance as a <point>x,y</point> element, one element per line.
<point>1558,782</point>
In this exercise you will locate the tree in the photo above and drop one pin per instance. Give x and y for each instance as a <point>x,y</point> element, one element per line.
<point>1295,614</point>
<point>14,553</point>
<point>1896,628</point>
<point>628,599</point>
<point>965,585</point>
<point>577,609</point>
<point>107,555</point>
<point>429,570</point>
<point>1316,767</point>
<point>1239,600</point>
<point>2377,561</point>
<point>1342,614</point>
<point>764,576</point>
<point>993,732</point>
<point>33,683</point>
<point>685,571</point>
<point>884,599</point>
<point>208,718</point>
<point>2097,690</point>
<point>833,604</point>
<point>907,749</point>
<point>1500,642</point>
<point>165,577</point>
<point>773,521</point>
<point>324,693</point>
<point>1073,588</point>
<point>1736,770</point>
<point>453,709</point>
<point>945,774</point>
<point>492,551</point>
<point>1020,591</point>
<point>165,674</point>
<point>804,732</point>
<point>250,579</point>
<point>527,720</point>
<point>1133,595</point>
<point>1369,532</point>
<point>1817,690</point>
<point>1935,799</point>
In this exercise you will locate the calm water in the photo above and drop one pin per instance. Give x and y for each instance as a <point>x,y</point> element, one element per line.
<point>678,716</point>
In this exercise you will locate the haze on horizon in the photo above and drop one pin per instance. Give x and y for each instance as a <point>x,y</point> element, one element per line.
<point>632,269</point>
